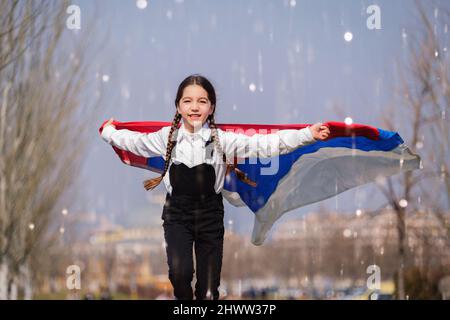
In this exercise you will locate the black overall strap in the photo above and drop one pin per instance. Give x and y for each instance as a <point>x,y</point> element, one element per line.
<point>196,181</point>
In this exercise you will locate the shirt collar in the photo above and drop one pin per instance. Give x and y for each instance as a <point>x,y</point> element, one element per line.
<point>204,132</point>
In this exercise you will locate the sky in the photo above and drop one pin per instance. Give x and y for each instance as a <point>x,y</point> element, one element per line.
<point>271,62</point>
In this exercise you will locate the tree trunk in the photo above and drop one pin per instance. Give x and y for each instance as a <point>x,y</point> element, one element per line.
<point>27,282</point>
<point>12,288</point>
<point>3,280</point>
<point>401,225</point>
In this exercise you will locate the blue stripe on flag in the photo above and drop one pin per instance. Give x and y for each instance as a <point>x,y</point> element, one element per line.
<point>257,197</point>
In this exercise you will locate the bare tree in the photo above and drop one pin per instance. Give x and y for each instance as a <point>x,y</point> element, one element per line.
<point>42,135</point>
<point>424,94</point>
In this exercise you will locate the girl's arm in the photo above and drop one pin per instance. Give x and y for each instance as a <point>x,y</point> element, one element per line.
<point>141,144</point>
<point>265,145</point>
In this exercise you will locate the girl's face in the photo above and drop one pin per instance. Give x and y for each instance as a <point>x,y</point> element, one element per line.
<point>195,107</point>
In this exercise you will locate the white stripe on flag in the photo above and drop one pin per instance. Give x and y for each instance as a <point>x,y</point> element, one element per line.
<point>326,173</point>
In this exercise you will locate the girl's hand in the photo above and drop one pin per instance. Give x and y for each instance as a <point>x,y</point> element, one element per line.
<point>319,131</point>
<point>109,123</point>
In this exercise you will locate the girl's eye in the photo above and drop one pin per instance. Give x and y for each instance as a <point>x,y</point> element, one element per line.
<point>189,101</point>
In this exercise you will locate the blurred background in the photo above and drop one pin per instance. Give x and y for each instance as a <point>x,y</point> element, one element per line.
<point>76,223</point>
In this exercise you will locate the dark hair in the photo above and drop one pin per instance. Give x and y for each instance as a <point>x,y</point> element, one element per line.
<point>196,79</point>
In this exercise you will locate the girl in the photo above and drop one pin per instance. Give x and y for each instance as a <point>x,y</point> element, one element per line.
<point>196,156</point>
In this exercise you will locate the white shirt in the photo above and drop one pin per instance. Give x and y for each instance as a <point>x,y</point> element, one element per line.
<point>190,147</point>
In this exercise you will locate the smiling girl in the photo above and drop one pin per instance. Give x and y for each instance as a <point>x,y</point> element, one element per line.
<point>193,211</point>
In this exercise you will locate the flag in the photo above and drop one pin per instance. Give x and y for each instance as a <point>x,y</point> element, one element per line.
<point>351,156</point>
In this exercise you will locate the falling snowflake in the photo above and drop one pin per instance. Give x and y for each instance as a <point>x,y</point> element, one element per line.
<point>348,121</point>
<point>403,203</point>
<point>347,233</point>
<point>404,34</point>
<point>141,4</point>
<point>348,36</point>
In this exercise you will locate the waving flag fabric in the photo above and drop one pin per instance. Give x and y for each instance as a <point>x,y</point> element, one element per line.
<point>352,155</point>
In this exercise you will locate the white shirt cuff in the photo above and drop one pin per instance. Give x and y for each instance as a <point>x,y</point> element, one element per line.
<point>309,134</point>
<point>107,132</point>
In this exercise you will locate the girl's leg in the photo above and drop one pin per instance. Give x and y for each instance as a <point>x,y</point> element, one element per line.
<point>179,240</point>
<point>209,252</point>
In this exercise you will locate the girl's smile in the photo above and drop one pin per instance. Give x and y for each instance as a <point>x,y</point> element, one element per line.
<point>194,107</point>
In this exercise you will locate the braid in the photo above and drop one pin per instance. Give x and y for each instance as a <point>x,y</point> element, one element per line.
<point>152,183</point>
<point>230,166</point>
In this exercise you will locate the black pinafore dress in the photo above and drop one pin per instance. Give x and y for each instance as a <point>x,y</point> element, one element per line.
<point>193,216</point>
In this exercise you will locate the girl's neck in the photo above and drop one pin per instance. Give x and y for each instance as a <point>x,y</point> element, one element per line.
<point>190,129</point>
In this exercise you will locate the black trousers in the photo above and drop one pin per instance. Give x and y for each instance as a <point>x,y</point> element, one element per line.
<point>194,221</point>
